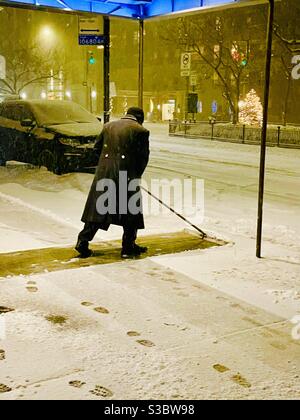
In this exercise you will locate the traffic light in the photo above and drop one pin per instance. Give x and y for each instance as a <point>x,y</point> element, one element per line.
<point>92,59</point>
<point>244,61</point>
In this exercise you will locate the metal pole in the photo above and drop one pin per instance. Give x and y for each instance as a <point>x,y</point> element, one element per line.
<point>187,98</point>
<point>141,64</point>
<point>87,79</point>
<point>265,128</point>
<point>106,68</point>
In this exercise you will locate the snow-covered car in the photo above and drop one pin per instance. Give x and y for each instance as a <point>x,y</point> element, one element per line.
<point>59,135</point>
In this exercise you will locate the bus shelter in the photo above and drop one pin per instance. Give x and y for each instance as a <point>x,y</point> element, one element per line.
<point>141,10</point>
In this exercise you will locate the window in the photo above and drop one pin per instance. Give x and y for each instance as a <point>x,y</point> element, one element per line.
<point>16,112</point>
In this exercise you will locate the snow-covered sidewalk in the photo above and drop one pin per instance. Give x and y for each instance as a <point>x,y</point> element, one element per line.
<point>202,324</point>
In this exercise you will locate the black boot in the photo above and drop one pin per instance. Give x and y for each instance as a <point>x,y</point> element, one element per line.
<point>83,249</point>
<point>140,249</point>
<point>133,251</point>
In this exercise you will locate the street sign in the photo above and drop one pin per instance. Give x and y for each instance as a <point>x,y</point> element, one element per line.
<point>2,67</point>
<point>185,73</point>
<point>194,80</point>
<point>214,107</point>
<point>89,32</point>
<point>91,40</point>
<point>186,60</point>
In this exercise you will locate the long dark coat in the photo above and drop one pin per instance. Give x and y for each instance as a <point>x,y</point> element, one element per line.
<point>123,146</point>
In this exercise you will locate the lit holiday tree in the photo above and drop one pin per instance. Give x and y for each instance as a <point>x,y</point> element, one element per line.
<point>251,110</point>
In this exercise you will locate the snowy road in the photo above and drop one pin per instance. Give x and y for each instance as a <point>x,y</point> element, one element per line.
<point>201,313</point>
<point>229,170</point>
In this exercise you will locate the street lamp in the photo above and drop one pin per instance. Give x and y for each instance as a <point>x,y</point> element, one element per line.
<point>47,36</point>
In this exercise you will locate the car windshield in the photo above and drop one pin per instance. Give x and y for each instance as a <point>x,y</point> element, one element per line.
<point>49,113</point>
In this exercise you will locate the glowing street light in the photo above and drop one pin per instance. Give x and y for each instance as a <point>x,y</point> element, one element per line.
<point>46,32</point>
<point>47,36</point>
<point>69,94</point>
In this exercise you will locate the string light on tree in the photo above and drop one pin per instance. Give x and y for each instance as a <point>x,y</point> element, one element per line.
<point>238,56</point>
<point>251,109</point>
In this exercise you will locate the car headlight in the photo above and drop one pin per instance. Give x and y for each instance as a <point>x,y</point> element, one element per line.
<point>73,142</point>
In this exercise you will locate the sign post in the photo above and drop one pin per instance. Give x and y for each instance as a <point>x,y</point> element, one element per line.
<point>89,32</point>
<point>141,64</point>
<point>194,80</point>
<point>263,150</point>
<point>186,62</point>
<point>106,69</point>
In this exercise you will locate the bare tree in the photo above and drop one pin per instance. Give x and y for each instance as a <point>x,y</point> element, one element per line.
<point>292,44</point>
<point>223,47</point>
<point>26,65</point>
<point>287,43</point>
<point>287,28</point>
<point>283,56</point>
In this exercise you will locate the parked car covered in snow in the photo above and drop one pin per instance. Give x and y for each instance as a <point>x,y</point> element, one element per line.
<point>59,135</point>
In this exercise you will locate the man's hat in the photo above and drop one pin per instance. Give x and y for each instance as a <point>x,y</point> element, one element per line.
<point>138,113</point>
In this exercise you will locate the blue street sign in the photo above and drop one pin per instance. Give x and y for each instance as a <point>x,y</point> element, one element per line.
<point>91,39</point>
<point>214,107</point>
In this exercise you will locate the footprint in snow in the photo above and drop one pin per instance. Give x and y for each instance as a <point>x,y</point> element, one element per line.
<point>221,369</point>
<point>101,310</point>
<point>98,309</point>
<point>87,304</point>
<point>146,343</point>
<point>238,379</point>
<point>77,384</point>
<point>4,388</point>
<point>31,287</point>
<point>133,334</point>
<point>101,391</point>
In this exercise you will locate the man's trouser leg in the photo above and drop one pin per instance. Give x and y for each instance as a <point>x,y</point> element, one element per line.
<point>129,238</point>
<point>87,234</point>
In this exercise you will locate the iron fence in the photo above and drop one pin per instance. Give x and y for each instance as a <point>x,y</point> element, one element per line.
<point>280,136</point>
